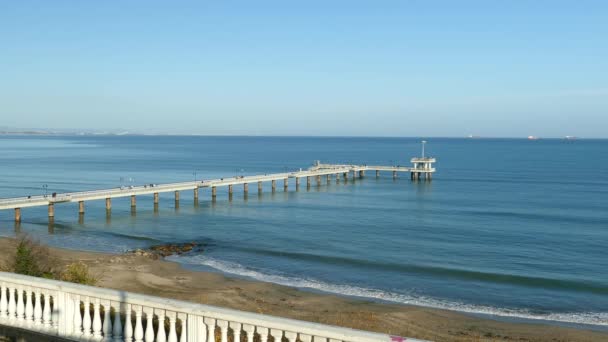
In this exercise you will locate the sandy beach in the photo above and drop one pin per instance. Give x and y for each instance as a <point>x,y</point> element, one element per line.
<point>168,279</point>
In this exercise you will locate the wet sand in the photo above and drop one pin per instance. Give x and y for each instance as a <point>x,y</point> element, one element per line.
<point>168,279</point>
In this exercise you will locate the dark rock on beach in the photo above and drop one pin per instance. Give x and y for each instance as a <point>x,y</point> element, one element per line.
<point>165,250</point>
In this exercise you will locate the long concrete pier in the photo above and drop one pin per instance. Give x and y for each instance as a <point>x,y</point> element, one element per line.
<point>422,168</point>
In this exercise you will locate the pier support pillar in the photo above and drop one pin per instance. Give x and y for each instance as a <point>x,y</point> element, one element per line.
<point>260,187</point>
<point>394,174</point>
<point>308,181</point>
<point>176,196</point>
<point>81,207</point>
<point>51,210</point>
<point>245,188</point>
<point>156,198</point>
<point>412,176</point>
<point>318,180</point>
<point>213,192</point>
<point>297,183</point>
<point>108,204</point>
<point>345,176</point>
<point>429,176</point>
<point>361,173</point>
<point>230,190</point>
<point>274,185</point>
<point>17,214</point>
<point>377,173</point>
<point>328,179</point>
<point>285,184</point>
<point>196,194</point>
<point>337,178</point>
<point>133,201</point>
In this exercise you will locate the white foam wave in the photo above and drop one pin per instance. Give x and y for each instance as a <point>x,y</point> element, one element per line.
<point>594,318</point>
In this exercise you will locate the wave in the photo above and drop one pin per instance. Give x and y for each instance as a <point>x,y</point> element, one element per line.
<point>498,278</point>
<point>594,318</point>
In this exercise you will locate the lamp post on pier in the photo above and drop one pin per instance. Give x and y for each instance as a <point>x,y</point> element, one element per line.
<point>423,143</point>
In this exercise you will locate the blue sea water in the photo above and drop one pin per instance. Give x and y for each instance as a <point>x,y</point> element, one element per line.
<point>507,227</point>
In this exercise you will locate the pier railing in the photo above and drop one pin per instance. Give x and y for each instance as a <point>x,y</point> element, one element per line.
<point>85,313</point>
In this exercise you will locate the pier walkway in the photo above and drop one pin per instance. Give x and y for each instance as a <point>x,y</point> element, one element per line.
<point>421,168</point>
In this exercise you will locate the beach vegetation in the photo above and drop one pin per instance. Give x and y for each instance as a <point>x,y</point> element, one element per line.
<point>78,273</point>
<point>33,259</point>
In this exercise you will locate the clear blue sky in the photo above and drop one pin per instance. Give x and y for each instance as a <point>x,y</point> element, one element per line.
<point>386,68</point>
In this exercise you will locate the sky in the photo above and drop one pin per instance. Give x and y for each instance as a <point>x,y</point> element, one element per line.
<point>337,68</point>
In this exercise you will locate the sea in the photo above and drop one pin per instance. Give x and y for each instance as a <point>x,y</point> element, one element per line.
<point>514,229</point>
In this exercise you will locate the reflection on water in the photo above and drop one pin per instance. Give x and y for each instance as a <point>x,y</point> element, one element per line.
<point>51,225</point>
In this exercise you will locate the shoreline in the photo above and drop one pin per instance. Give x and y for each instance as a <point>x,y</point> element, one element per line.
<point>170,279</point>
<point>506,318</point>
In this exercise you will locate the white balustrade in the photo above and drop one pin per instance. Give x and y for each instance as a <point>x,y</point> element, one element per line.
<point>85,313</point>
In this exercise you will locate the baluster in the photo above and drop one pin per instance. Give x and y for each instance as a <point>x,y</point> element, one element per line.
<point>117,326</point>
<point>210,323</point>
<point>172,331</point>
<point>128,324</point>
<point>86,318</point>
<point>277,334</point>
<point>96,320</point>
<point>149,335</point>
<point>224,330</point>
<point>319,339</point>
<point>305,338</point>
<point>139,330</point>
<point>37,309</point>
<point>55,311</point>
<point>290,335</point>
<point>46,311</point>
<point>197,328</point>
<point>29,308</point>
<point>263,334</point>
<point>20,306</point>
<point>3,302</point>
<point>250,330</point>
<point>77,317</point>
<point>183,318</point>
<point>236,328</point>
<point>161,336</point>
<point>12,304</point>
<point>107,321</point>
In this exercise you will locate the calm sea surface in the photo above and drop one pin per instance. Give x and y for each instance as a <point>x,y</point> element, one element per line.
<point>509,227</point>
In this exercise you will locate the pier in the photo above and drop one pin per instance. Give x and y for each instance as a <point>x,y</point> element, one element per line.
<point>422,168</point>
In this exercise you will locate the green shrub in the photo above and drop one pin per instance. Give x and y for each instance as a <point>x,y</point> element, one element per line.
<point>32,259</point>
<point>78,272</point>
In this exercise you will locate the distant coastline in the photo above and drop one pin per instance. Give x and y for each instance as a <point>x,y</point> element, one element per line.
<point>8,132</point>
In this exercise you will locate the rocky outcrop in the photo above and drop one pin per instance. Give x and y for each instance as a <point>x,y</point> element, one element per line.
<point>165,250</point>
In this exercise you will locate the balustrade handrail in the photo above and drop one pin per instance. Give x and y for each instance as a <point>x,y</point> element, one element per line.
<point>68,299</point>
